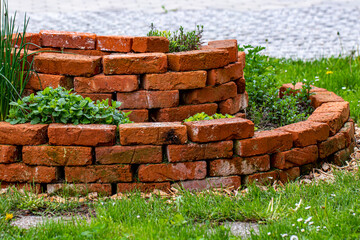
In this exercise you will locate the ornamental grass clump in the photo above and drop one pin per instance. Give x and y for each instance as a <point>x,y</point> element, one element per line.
<point>61,106</point>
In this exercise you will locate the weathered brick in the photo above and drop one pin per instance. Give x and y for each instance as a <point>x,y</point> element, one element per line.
<point>335,120</point>
<point>57,155</point>
<point>86,52</point>
<point>29,187</point>
<point>67,64</point>
<point>239,166</point>
<point>31,39</point>
<point>307,133</point>
<point>324,97</point>
<point>219,129</point>
<point>63,39</point>
<point>289,175</point>
<point>338,107</point>
<point>296,156</point>
<point>229,45</point>
<point>143,187</point>
<point>262,178</point>
<point>182,112</point>
<point>152,133</point>
<point>106,84</point>
<point>41,81</point>
<point>234,105</point>
<point>242,58</point>
<point>139,63</point>
<point>128,154</point>
<point>241,85</point>
<point>23,134</point>
<point>172,171</point>
<point>84,189</point>
<point>198,60</point>
<point>340,157</point>
<point>208,183</point>
<point>149,99</point>
<point>98,96</point>
<point>150,44</point>
<point>9,154</point>
<point>114,43</point>
<point>349,132</point>
<point>138,115</point>
<point>82,135</point>
<point>99,173</point>
<point>19,172</point>
<point>209,94</point>
<point>226,74</point>
<point>332,145</point>
<point>194,151</point>
<point>174,80</point>
<point>264,142</point>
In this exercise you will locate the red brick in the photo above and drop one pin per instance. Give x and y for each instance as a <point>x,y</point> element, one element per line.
<point>114,43</point>
<point>138,115</point>
<point>84,189</point>
<point>234,105</point>
<point>194,151</point>
<point>149,99</point>
<point>241,85</point>
<point>128,154</point>
<point>31,39</point>
<point>307,133</point>
<point>264,142</point>
<point>289,175</point>
<point>23,134</point>
<point>335,120</point>
<point>172,171</point>
<point>324,97</point>
<point>98,96</point>
<point>229,45</point>
<point>41,81</point>
<point>349,132</point>
<point>209,94</point>
<point>208,183</point>
<point>30,187</point>
<point>332,145</point>
<point>67,64</point>
<point>63,39</point>
<point>152,133</point>
<point>240,115</point>
<point>226,74</point>
<point>242,58</point>
<point>219,129</point>
<point>341,157</point>
<point>9,154</point>
<point>82,135</point>
<point>297,156</point>
<point>56,155</point>
<point>150,44</point>
<point>139,63</point>
<point>198,60</point>
<point>182,112</point>
<point>19,172</point>
<point>262,178</point>
<point>99,173</point>
<point>239,166</point>
<point>338,107</point>
<point>86,52</point>
<point>143,187</point>
<point>106,84</point>
<point>174,80</point>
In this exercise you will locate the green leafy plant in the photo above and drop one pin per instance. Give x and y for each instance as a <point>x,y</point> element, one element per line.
<point>15,69</point>
<point>180,40</point>
<point>203,116</point>
<point>61,106</point>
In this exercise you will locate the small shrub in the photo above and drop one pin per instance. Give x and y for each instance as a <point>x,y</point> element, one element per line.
<point>204,116</point>
<point>179,40</point>
<point>61,106</point>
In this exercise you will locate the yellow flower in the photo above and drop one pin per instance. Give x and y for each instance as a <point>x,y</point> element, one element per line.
<point>329,72</point>
<point>9,216</point>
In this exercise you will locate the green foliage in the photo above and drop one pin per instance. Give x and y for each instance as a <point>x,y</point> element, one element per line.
<point>15,70</point>
<point>61,106</point>
<point>204,116</point>
<point>179,40</point>
<point>266,109</point>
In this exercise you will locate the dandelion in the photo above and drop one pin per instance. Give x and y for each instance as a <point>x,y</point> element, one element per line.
<point>300,220</point>
<point>302,230</point>
<point>307,208</point>
<point>329,72</point>
<point>9,216</point>
<point>284,235</point>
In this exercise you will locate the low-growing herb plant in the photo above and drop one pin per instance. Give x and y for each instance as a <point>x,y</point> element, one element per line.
<point>61,106</point>
<point>179,40</point>
<point>203,116</point>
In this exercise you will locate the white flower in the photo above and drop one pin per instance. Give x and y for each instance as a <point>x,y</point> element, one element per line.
<point>343,88</point>
<point>302,230</point>
<point>333,195</point>
<point>138,216</point>
<point>300,220</point>
<point>308,220</point>
<point>324,227</point>
<point>307,208</point>
<point>269,233</point>
<point>284,235</point>
<point>293,224</point>
<point>311,223</point>
<point>354,214</point>
<point>294,237</point>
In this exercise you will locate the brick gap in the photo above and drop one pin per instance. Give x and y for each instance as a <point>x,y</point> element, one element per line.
<point>165,158</point>
<point>60,173</point>
<point>113,188</point>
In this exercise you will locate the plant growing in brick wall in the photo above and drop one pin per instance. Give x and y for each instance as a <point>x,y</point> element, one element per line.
<point>179,40</point>
<point>203,116</point>
<point>61,106</point>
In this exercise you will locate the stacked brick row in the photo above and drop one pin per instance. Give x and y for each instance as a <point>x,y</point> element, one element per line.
<point>139,72</point>
<point>195,155</point>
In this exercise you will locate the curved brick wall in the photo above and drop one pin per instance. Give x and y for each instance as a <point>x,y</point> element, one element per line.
<point>196,155</point>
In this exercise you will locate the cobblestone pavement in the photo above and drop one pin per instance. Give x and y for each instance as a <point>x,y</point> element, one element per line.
<point>303,29</point>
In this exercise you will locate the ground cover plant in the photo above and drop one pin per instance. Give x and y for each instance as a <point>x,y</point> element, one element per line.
<point>203,116</point>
